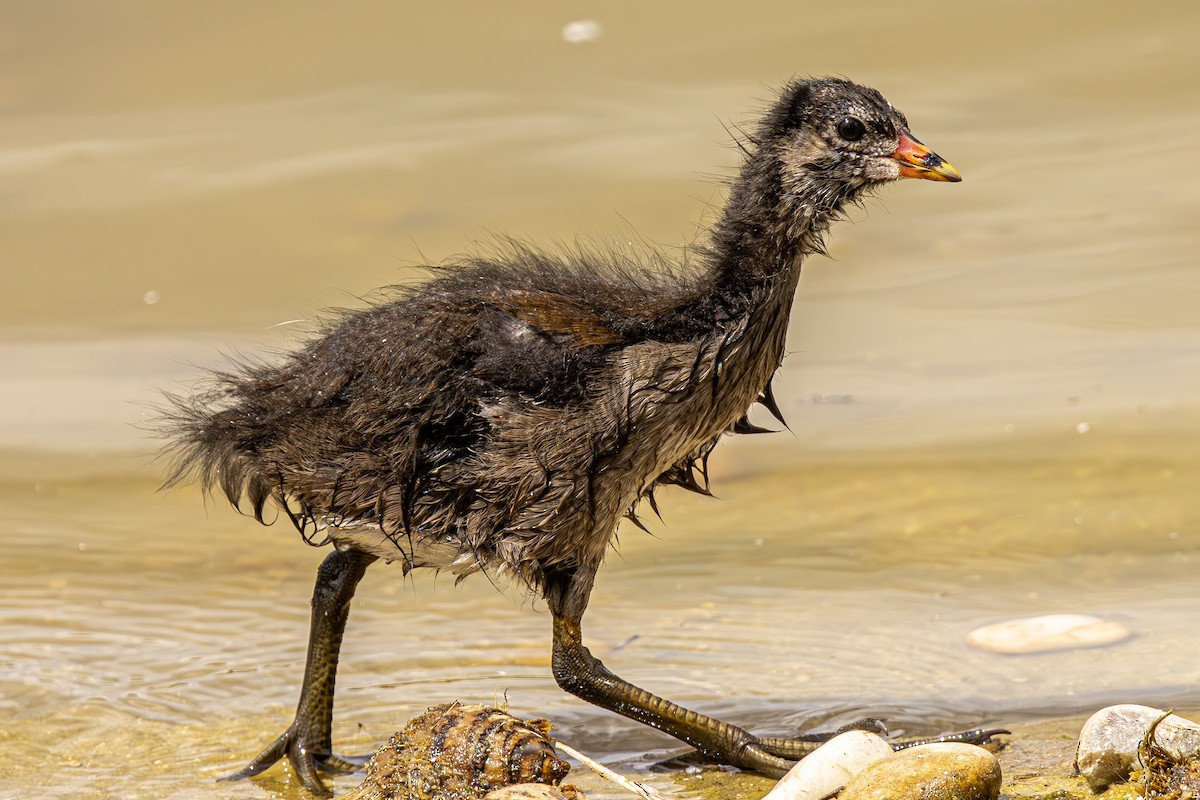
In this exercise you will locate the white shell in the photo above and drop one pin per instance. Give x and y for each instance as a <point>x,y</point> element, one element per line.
<point>1108,742</point>
<point>1046,633</point>
<point>830,766</point>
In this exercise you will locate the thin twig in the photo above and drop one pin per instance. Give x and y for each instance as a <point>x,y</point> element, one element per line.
<point>647,792</point>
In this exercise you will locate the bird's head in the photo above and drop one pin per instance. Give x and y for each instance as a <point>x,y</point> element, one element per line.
<point>834,138</point>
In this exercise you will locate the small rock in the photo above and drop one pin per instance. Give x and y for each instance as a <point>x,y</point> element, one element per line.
<point>1108,742</point>
<point>830,766</point>
<point>536,791</point>
<point>1046,633</point>
<point>949,771</point>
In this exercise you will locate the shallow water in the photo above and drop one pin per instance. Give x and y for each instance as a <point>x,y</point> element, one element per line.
<point>993,390</point>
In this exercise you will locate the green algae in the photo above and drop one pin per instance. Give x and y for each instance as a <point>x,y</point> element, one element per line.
<point>1165,776</point>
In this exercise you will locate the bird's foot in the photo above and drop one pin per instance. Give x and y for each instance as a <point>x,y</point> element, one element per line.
<point>796,747</point>
<point>306,757</point>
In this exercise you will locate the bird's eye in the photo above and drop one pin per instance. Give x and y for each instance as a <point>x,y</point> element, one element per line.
<point>851,129</point>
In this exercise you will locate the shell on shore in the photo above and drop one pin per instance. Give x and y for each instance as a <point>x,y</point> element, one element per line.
<point>1110,739</point>
<point>458,752</point>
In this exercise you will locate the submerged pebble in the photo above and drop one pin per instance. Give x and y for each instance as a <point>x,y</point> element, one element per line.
<point>830,766</point>
<point>1046,633</point>
<point>1109,741</point>
<point>943,771</point>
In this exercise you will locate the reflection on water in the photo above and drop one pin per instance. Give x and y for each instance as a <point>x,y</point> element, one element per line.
<point>993,390</point>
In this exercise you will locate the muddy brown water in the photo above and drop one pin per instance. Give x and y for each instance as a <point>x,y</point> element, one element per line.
<point>993,389</point>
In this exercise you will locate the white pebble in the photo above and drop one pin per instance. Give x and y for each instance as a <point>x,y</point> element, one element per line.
<point>830,766</point>
<point>1045,633</point>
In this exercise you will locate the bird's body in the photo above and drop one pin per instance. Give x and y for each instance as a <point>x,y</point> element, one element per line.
<point>523,454</point>
<point>506,415</point>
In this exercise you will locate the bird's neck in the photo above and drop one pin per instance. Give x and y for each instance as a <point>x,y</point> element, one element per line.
<point>767,227</point>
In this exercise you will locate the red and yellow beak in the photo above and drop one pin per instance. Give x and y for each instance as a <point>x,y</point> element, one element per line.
<point>918,161</point>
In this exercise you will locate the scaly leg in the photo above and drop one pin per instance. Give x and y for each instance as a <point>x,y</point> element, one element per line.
<point>580,673</point>
<point>307,743</point>
<point>583,675</point>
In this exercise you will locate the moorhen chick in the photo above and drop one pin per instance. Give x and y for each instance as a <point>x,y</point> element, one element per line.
<point>506,415</point>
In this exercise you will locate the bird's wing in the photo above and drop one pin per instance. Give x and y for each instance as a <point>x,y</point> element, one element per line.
<point>556,314</point>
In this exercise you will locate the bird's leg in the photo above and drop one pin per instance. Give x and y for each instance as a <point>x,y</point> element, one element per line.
<point>580,673</point>
<point>307,742</point>
<point>583,675</point>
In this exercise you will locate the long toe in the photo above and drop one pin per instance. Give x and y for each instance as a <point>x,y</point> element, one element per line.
<point>984,737</point>
<point>270,754</point>
<point>797,747</point>
<point>304,759</point>
<point>306,770</point>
